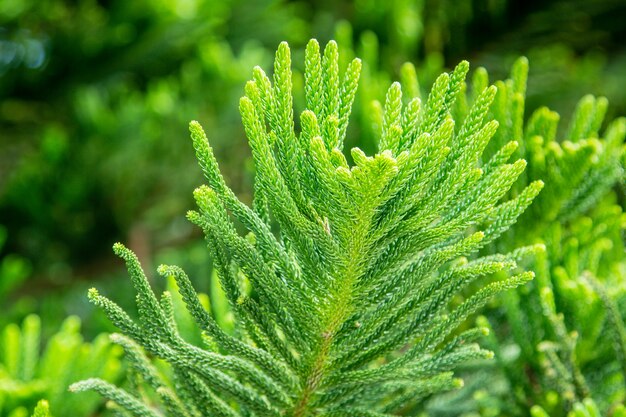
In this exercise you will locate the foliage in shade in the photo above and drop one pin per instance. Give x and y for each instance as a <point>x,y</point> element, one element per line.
<point>346,309</point>
<point>13,269</point>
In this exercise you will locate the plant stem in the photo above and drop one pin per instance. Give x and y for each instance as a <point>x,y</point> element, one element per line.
<point>337,313</point>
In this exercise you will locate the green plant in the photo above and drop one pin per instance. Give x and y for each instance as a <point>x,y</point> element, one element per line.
<point>559,341</point>
<point>586,408</point>
<point>42,409</point>
<point>349,307</point>
<point>28,375</point>
<point>561,321</point>
<point>14,269</point>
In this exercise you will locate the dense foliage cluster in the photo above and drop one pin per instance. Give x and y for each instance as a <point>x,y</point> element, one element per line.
<point>350,307</point>
<point>563,342</point>
<point>29,373</point>
<point>370,253</point>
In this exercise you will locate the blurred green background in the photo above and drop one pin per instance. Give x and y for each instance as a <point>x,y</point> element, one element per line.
<point>95,98</point>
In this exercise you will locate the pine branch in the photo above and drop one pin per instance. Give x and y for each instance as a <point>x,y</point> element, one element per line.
<point>347,310</point>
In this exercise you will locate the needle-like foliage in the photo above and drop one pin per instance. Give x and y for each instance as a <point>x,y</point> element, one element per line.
<point>570,334</point>
<point>342,287</point>
<point>560,341</point>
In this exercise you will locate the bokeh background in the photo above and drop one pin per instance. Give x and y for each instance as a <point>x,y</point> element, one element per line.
<point>95,98</point>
